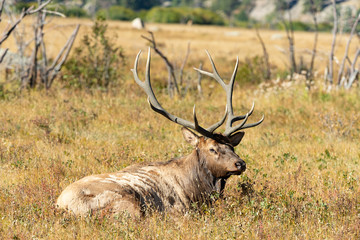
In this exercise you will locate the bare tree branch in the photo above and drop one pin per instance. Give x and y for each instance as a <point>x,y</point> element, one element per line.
<point>331,56</point>
<point>55,13</point>
<point>64,52</point>
<point>40,7</point>
<point>290,36</point>
<point>352,79</point>
<point>183,64</point>
<point>3,55</point>
<point>43,48</point>
<point>291,39</point>
<point>22,15</point>
<point>309,75</point>
<point>341,70</point>
<point>38,34</point>
<point>166,60</point>
<point>357,54</point>
<point>266,55</point>
<point>1,7</point>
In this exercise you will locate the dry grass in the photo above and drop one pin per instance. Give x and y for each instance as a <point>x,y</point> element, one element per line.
<point>224,43</point>
<point>303,170</point>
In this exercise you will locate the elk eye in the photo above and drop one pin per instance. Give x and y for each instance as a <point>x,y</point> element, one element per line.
<point>212,150</point>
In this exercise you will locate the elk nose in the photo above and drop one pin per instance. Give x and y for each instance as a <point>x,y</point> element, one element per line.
<point>240,165</point>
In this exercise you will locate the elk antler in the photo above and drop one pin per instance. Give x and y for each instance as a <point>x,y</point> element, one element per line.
<point>229,92</point>
<point>155,105</point>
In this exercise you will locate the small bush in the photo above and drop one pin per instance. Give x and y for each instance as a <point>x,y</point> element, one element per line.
<point>297,26</point>
<point>74,12</point>
<point>121,13</point>
<point>97,62</point>
<point>242,16</point>
<point>117,13</point>
<point>203,16</point>
<point>252,70</point>
<point>19,6</point>
<point>164,15</point>
<point>182,15</point>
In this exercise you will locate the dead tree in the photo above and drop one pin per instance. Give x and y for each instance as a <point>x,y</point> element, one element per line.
<point>290,35</point>
<point>310,74</point>
<point>354,72</point>
<point>183,64</point>
<point>38,68</point>
<point>330,72</point>
<point>2,2</point>
<point>23,14</point>
<point>267,71</point>
<point>284,6</point>
<point>341,78</point>
<point>173,82</point>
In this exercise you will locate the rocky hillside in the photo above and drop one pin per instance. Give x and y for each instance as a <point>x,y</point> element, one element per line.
<point>264,8</point>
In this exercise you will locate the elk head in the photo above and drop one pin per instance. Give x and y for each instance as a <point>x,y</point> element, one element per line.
<point>218,154</point>
<point>216,150</point>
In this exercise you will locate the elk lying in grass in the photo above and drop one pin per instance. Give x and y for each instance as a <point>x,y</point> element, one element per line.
<point>173,185</point>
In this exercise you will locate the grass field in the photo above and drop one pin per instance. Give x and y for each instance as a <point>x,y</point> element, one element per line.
<point>302,177</point>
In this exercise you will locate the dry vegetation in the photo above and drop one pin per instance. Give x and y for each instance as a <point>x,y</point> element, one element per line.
<point>303,170</point>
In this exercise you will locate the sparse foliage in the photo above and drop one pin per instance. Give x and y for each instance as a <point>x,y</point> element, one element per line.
<point>97,62</point>
<point>31,69</point>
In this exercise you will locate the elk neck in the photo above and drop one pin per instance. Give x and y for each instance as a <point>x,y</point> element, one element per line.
<point>199,182</point>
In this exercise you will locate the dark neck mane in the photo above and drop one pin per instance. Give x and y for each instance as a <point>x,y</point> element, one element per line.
<point>201,183</point>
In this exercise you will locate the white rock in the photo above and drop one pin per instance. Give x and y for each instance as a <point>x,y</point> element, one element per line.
<point>137,23</point>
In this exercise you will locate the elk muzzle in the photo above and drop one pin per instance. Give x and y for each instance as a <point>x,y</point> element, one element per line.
<point>238,168</point>
<point>241,166</point>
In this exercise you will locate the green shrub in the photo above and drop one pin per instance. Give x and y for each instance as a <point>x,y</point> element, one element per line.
<point>97,62</point>
<point>203,16</point>
<point>164,15</point>
<point>325,27</point>
<point>71,11</point>
<point>297,26</point>
<point>74,12</point>
<point>117,13</point>
<point>182,15</point>
<point>142,14</point>
<point>102,13</point>
<point>121,13</point>
<point>242,16</point>
<point>19,6</point>
<point>252,70</point>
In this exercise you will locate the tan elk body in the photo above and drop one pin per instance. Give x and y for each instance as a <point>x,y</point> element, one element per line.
<point>167,186</point>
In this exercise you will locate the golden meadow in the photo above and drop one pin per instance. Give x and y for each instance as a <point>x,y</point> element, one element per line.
<point>302,177</point>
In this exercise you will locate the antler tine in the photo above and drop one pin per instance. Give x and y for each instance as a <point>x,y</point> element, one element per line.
<point>231,130</point>
<point>242,125</point>
<point>218,124</point>
<point>134,70</point>
<point>156,106</point>
<point>200,129</point>
<point>237,118</point>
<point>229,88</point>
<point>214,74</point>
<point>250,125</point>
<point>154,103</point>
<point>146,85</point>
<point>229,93</point>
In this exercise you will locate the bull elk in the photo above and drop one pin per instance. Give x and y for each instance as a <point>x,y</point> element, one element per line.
<point>173,185</point>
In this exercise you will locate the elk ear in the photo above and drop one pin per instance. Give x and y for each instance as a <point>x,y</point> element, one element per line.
<point>190,137</point>
<point>236,138</point>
